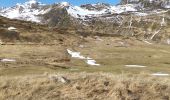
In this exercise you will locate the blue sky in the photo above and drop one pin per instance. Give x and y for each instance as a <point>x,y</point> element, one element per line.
<point>7,3</point>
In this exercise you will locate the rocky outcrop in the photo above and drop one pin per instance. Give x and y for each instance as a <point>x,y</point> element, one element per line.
<point>98,6</point>
<point>154,4</point>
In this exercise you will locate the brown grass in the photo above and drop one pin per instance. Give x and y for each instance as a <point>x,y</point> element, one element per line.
<point>83,86</point>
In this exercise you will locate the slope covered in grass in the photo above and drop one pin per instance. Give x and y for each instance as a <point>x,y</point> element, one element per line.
<point>76,86</point>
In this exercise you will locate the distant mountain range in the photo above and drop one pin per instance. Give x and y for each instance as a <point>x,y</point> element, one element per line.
<point>33,10</point>
<point>146,20</point>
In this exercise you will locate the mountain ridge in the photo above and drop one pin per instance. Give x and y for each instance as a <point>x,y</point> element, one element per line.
<point>127,20</point>
<point>32,9</point>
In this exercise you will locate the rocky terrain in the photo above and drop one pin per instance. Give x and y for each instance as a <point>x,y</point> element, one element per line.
<point>144,20</point>
<point>99,51</point>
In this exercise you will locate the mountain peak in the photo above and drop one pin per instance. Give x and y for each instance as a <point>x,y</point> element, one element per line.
<point>32,4</point>
<point>32,1</point>
<point>154,4</point>
<point>64,4</point>
<point>32,10</point>
<point>24,11</point>
<point>97,6</point>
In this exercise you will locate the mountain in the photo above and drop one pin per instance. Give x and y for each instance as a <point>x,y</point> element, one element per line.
<point>32,10</point>
<point>98,6</point>
<point>28,11</point>
<point>145,20</point>
<point>149,3</point>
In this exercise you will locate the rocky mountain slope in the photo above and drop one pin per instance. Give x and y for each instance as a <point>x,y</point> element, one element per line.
<point>145,20</point>
<point>93,51</point>
<point>34,10</point>
<point>22,32</point>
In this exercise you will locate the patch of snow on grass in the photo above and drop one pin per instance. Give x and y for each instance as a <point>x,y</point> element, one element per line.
<point>11,28</point>
<point>147,42</point>
<point>160,74</point>
<point>140,14</point>
<point>89,60</point>
<point>136,66</point>
<point>7,60</point>
<point>92,62</point>
<point>168,41</point>
<point>75,54</point>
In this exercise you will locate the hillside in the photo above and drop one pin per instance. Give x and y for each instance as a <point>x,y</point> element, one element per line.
<point>132,19</point>
<point>84,86</point>
<point>88,52</point>
<point>18,31</point>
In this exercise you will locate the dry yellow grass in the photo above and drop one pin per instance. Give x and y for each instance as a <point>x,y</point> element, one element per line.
<point>84,86</point>
<point>109,52</point>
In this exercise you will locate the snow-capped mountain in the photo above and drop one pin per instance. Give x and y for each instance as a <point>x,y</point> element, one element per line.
<point>28,11</point>
<point>95,10</point>
<point>32,10</point>
<point>97,6</point>
<point>35,11</point>
<point>146,20</point>
<point>149,3</point>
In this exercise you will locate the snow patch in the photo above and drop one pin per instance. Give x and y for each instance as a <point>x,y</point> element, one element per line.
<point>11,28</point>
<point>160,74</point>
<point>75,54</point>
<point>163,23</point>
<point>135,66</point>
<point>168,41</point>
<point>147,42</point>
<point>123,8</point>
<point>7,60</point>
<point>89,60</point>
<point>140,14</point>
<point>64,4</point>
<point>79,12</point>
<point>92,62</point>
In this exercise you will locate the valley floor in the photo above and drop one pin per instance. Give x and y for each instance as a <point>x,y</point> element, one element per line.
<point>112,55</point>
<point>127,70</point>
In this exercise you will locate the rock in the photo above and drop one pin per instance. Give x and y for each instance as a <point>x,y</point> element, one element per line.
<point>57,78</point>
<point>53,78</point>
<point>106,83</point>
<point>63,79</point>
<point>1,43</point>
